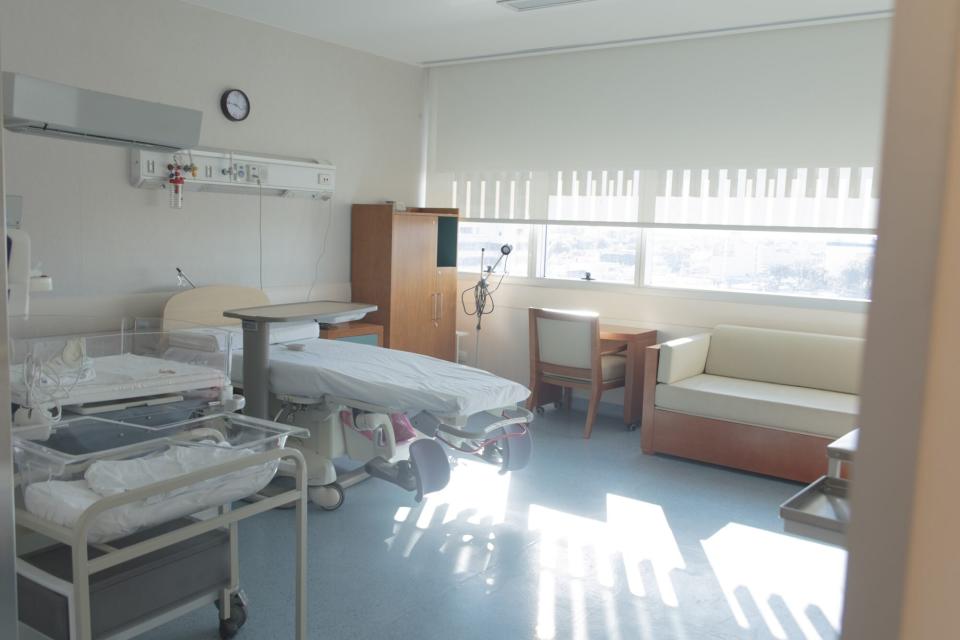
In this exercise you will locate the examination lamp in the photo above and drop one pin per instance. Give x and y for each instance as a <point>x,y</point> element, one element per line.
<point>482,293</point>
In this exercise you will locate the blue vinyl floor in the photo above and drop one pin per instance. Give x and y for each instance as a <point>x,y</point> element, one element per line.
<point>592,540</point>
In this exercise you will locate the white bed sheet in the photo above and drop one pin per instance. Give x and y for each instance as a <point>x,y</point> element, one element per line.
<point>398,380</point>
<point>63,502</point>
<point>125,376</point>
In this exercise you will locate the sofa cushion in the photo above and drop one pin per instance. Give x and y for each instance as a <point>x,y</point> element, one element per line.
<point>825,413</point>
<point>682,358</point>
<point>817,361</point>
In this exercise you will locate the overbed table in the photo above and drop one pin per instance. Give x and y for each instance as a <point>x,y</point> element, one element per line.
<point>256,323</point>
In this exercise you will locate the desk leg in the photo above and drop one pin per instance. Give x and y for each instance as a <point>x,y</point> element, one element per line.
<point>256,359</point>
<point>633,384</point>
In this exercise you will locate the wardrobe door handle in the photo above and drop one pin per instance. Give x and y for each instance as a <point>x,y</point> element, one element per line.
<point>433,304</point>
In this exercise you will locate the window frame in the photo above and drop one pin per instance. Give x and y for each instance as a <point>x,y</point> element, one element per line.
<point>536,267</point>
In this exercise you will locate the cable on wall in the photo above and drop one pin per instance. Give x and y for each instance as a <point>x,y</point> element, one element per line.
<point>323,250</point>
<point>260,238</point>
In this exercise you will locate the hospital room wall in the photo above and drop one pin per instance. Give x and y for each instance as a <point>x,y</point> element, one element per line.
<point>807,95</point>
<point>112,248</point>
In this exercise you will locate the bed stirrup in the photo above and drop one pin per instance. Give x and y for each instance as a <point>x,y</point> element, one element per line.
<point>427,470</point>
<point>515,448</point>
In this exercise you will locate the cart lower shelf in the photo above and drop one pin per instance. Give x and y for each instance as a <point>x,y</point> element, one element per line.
<point>125,596</point>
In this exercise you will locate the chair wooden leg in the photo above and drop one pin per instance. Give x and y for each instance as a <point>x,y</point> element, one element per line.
<point>568,398</point>
<point>595,394</point>
<point>532,400</point>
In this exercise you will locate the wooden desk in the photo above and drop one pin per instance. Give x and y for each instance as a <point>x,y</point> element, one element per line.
<point>636,341</point>
<point>353,331</point>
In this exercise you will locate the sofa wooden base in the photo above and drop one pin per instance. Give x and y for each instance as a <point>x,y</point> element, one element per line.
<point>784,454</point>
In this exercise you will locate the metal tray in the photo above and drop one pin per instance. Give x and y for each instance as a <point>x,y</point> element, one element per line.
<point>823,504</point>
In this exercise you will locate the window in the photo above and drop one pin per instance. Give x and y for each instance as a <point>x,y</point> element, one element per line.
<point>802,232</point>
<point>608,254</point>
<point>474,236</point>
<point>815,265</point>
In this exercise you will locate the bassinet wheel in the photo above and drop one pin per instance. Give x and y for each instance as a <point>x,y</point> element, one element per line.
<point>328,497</point>
<point>540,411</point>
<point>238,617</point>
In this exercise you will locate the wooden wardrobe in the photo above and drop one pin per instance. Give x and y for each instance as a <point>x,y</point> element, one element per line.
<point>406,264</point>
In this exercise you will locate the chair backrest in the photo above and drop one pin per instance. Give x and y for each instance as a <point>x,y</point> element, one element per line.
<point>565,342</point>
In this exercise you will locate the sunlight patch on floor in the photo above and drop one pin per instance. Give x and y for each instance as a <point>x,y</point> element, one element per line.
<point>584,552</point>
<point>795,585</point>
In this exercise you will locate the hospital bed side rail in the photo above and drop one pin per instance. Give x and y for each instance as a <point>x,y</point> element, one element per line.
<point>83,567</point>
<point>524,416</point>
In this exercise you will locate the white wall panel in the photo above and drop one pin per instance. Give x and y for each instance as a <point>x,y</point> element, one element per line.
<point>99,237</point>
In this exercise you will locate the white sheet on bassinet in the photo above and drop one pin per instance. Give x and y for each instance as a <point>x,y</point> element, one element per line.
<point>120,377</point>
<point>63,502</point>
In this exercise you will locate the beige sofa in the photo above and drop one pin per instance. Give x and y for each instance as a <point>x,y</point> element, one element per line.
<point>761,400</point>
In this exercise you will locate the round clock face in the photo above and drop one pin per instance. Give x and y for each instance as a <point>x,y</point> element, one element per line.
<point>235,105</point>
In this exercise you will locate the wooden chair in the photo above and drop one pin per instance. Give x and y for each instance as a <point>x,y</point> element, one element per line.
<point>565,353</point>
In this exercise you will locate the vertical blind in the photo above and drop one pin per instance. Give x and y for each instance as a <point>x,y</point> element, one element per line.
<point>836,200</point>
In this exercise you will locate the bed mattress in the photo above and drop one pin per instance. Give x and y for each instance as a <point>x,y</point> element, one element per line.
<point>397,380</point>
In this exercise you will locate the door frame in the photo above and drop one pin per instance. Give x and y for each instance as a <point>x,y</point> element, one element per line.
<point>8,553</point>
<point>903,560</point>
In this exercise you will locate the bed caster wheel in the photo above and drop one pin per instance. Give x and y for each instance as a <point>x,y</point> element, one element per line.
<point>238,617</point>
<point>539,411</point>
<point>328,497</point>
<point>557,405</point>
<point>633,426</point>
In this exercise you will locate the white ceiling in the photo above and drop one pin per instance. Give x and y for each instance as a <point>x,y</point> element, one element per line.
<point>427,31</point>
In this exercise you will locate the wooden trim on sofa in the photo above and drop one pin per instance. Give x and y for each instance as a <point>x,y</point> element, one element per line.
<point>651,362</point>
<point>774,452</point>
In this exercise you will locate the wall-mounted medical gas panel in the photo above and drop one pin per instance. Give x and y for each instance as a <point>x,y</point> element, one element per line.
<point>229,172</point>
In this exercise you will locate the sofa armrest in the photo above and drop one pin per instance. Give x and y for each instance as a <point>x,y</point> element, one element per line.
<point>683,358</point>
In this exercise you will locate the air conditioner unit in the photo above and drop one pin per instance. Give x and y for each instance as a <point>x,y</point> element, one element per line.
<point>235,172</point>
<point>41,107</point>
<point>530,5</point>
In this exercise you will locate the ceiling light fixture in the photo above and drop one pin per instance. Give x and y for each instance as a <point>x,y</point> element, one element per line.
<point>530,5</point>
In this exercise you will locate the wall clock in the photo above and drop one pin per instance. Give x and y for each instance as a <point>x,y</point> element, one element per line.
<point>235,105</point>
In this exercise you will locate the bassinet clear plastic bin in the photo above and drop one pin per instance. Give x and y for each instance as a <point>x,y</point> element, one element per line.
<point>86,459</point>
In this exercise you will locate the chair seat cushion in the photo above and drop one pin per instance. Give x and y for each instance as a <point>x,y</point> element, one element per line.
<point>614,367</point>
<point>825,413</point>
